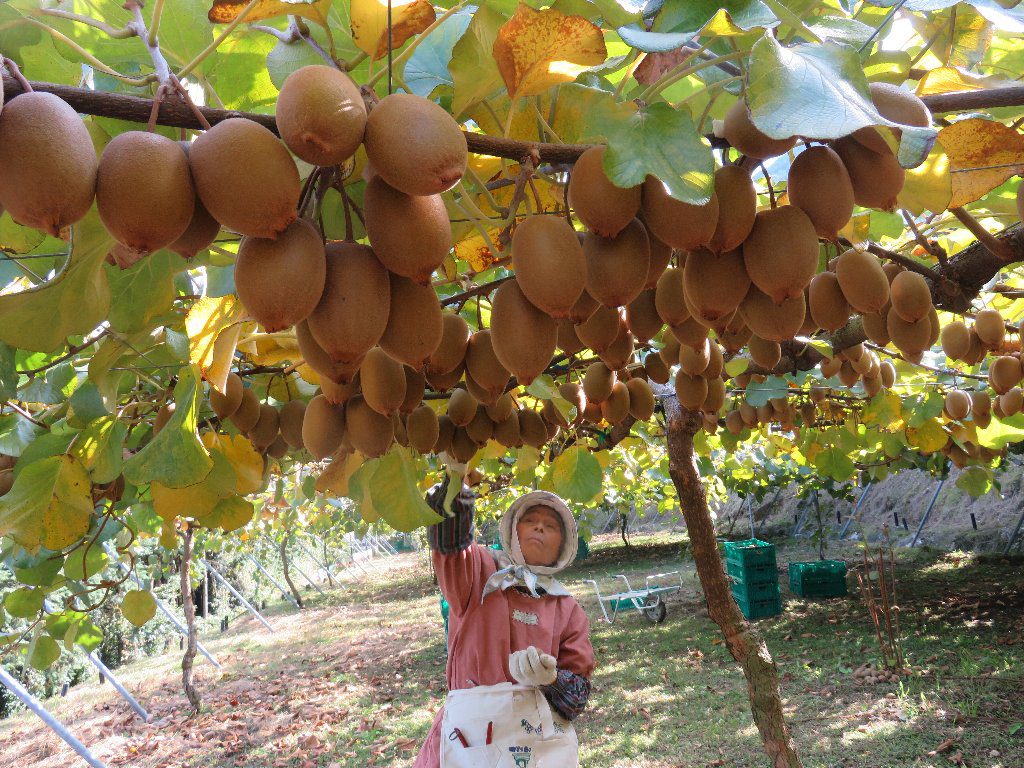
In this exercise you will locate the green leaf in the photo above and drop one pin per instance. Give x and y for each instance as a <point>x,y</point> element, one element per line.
<point>24,603</point>
<point>835,463</point>
<point>475,74</point>
<point>40,573</point>
<point>144,291</point>
<point>427,68</point>
<point>73,302</point>
<point>16,433</point>
<point>138,606</point>
<point>8,373</point>
<point>819,90</point>
<point>841,30</point>
<point>737,365</point>
<point>543,388</point>
<point>576,475</point>
<point>663,142</point>
<point>85,562</point>
<point>286,58</point>
<point>86,405</point>
<point>1001,432</point>
<point>883,411</point>
<point>395,494</point>
<point>923,408</point>
<point>230,514</point>
<point>760,392</point>
<point>175,458</point>
<point>620,12</point>
<point>45,651</point>
<point>50,504</point>
<point>53,387</point>
<point>976,481</point>
<point>17,239</point>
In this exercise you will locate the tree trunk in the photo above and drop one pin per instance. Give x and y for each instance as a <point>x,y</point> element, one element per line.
<point>287,573</point>
<point>190,621</point>
<point>743,641</point>
<point>327,564</point>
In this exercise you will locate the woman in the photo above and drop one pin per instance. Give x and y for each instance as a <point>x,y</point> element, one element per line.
<point>519,653</point>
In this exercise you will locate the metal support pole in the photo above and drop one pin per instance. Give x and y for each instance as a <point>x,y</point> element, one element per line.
<point>855,517</point>
<point>311,583</point>
<point>806,504</point>
<point>1014,535</point>
<point>238,595</point>
<point>284,592</point>
<point>98,663</point>
<point>928,512</point>
<point>206,596</point>
<point>750,514</point>
<point>55,725</point>
<point>313,557</point>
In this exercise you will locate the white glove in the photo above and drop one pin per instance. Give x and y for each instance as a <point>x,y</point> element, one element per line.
<point>531,667</point>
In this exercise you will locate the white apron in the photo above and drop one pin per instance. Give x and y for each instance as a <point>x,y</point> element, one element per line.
<point>525,732</point>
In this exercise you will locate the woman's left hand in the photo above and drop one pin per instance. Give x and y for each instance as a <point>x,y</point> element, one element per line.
<point>531,667</point>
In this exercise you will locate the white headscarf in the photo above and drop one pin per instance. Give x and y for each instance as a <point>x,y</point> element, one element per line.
<point>513,570</point>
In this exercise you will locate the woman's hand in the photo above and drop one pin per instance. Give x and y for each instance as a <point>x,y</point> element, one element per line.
<point>531,667</point>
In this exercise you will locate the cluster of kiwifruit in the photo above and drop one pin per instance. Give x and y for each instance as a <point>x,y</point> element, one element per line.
<point>6,472</point>
<point>989,336</point>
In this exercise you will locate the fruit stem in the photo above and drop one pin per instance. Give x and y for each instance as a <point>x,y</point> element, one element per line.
<point>118,33</point>
<point>475,178</point>
<point>12,67</point>
<point>997,247</point>
<point>404,55</point>
<point>158,9</point>
<point>228,29</point>
<point>89,58</point>
<point>636,61</point>
<point>160,65</point>
<point>933,248</point>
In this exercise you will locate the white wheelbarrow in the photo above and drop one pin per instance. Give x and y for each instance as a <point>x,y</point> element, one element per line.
<point>647,601</point>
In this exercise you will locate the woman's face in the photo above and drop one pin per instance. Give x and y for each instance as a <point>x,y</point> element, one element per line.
<point>540,536</point>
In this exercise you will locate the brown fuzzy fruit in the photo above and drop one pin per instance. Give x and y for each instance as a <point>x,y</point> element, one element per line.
<point>620,351</point>
<point>245,177</point>
<point>442,382</point>
<point>862,280</point>
<point>1012,402</point>
<point>716,396</point>
<point>248,411</point>
<point>911,298</point>
<point>371,433</point>
<point>445,433</point>
<point>642,317</point>
<point>321,115</point>
<point>990,327</point>
<point>532,429</point>
<point>670,297</point>
<point>584,308</point>
<point>956,340</point>
<point>523,336</point>
<point>600,330</point>
<point>695,360</point>
<point>615,407</point>
<point>958,404</point>
<point>887,372</point>
<point>692,391</point>
<point>415,322</point>
<point>781,253</point>
<point>162,417</point>
<point>909,338</point>
<point>656,369</point>
<point>771,321</point>
<point>316,358</point>
<point>765,353</point>
<point>201,231</point>
<point>415,388</point>
<point>820,186</point>
<point>690,332</point>
<point>225,404</point>
<point>353,311</point>
<point>895,104</point>
<point>598,382</point>
<point>616,267</point>
<point>677,224</point>
<point>876,328</point>
<point>737,204</point>
<point>279,282</point>
<point>144,192</point>
<point>415,145</point>
<point>739,131</point>
<point>463,447</point>
<point>323,427</point>
<point>484,366</point>
<point>506,431</point>
<point>451,350</point>
<point>47,162</point>
<point>714,285</point>
<point>1004,373</point>
<point>267,427</point>
<point>566,338</point>
<point>481,427</point>
<point>641,399</point>
<point>293,413</point>
<point>383,381</point>
<point>716,363</point>
<point>826,303</point>
<point>603,207</point>
<point>549,264</point>
<point>876,179</point>
<point>417,246</point>
<point>661,255</point>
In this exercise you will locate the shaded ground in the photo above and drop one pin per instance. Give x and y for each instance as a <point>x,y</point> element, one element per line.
<point>355,679</point>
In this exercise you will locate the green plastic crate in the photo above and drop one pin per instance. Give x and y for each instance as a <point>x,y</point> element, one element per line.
<point>765,573</point>
<point>750,552</point>
<point>753,592</point>
<point>759,609</point>
<point>822,578</point>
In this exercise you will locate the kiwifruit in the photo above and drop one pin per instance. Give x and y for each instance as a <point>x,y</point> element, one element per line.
<point>200,233</point>
<point>642,316</point>
<point>887,372</point>
<point>461,407</point>
<point>1004,373</point>
<point>442,382</point>
<point>279,282</point>
<point>766,414</point>
<point>463,447</point>
<point>451,350</point>
<point>144,192</point>
<point>523,336</point>
<point>781,252</point>
<point>532,429</point>
<point>415,323</point>
<point>1012,402</point>
<point>689,332</point>
<point>716,396</point>
<point>771,321</point>
<point>615,407</point>
<point>956,340</point>
<point>692,391</point>
<point>573,393</point>
<point>669,352</point>
<point>267,427</point>
<point>592,413</point>
<point>549,264</point>
<point>417,247</point>
<point>616,267</point>
<point>661,255</point>
<point>292,415</point>
<point>566,338</point>
<point>748,413</point>
<point>958,404</point>
<point>981,402</point>
<point>976,352</point>
<point>415,145</point>
<point>848,375</point>
<point>506,431</point>
<point>482,395</point>
<point>278,448</point>
<point>415,387</point>
<point>318,359</point>
<point>997,408</point>
<point>248,411</point>
<point>734,423</point>
<point>323,427</point>
<point>656,369</point>
<point>47,162</point>
<point>401,436</point>
<point>601,205</point>
<point>895,104</point>
<point>484,366</point>
<point>600,330</point>
<point>163,416</point>
<point>677,224</point>
<point>383,381</point>
<point>245,177</point>
<point>598,382</point>
<point>714,284</point>
<point>502,408</point>
<point>694,360</point>
<point>877,179</point>
<point>716,362</point>
<point>990,327</point>
<point>641,399</point>
<point>584,308</point>
<point>321,115</point>
<point>480,428</point>
<point>739,130</point>
<point>909,338</point>
<point>552,415</point>
<point>763,352</point>
<point>862,280</point>
<point>876,328</point>
<point>353,311</point>
<point>370,432</point>
<point>826,303</point>
<point>737,204</point>
<point>445,433</point>
<point>669,297</point>
<point>735,335</point>
<point>911,298</point>
<point>820,186</point>
<point>225,404</point>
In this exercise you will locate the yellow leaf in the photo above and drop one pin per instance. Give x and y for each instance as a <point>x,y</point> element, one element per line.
<point>370,23</point>
<point>308,374</point>
<point>245,460</point>
<point>337,474</point>
<point>858,228</point>
<point>203,324</point>
<point>982,155</point>
<point>50,504</point>
<point>224,11</point>
<point>538,49</point>
<point>194,501</point>
<point>929,185</point>
<point>928,438</point>
<point>223,355</point>
<point>476,252</point>
<point>951,80</point>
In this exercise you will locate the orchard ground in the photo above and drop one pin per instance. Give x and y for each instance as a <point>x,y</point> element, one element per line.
<point>354,680</point>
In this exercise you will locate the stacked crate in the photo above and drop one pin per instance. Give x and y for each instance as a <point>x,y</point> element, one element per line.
<point>755,578</point>
<point>821,578</point>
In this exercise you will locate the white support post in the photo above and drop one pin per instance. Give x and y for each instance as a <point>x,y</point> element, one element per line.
<point>238,595</point>
<point>927,513</point>
<point>309,581</point>
<point>321,566</point>
<point>284,592</point>
<point>98,663</point>
<point>855,517</point>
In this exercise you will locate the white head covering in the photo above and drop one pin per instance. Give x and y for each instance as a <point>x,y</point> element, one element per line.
<point>513,570</point>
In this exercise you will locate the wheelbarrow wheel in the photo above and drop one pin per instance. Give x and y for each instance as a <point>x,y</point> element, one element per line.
<point>655,610</point>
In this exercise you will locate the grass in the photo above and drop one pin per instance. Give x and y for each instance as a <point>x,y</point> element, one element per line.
<point>355,679</point>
